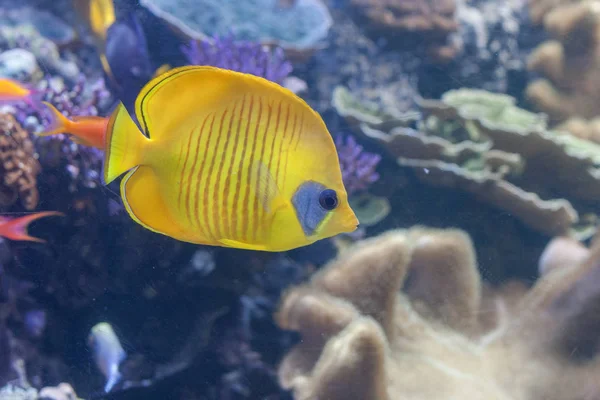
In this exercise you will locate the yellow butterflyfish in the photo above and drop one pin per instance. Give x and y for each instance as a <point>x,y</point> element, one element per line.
<point>227,159</point>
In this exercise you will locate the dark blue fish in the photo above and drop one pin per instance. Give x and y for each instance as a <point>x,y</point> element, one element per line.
<point>128,58</point>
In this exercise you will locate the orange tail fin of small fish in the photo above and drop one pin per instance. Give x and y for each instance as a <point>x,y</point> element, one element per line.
<point>58,122</point>
<point>16,229</point>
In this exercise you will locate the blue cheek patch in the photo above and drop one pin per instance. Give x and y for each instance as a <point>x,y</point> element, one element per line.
<point>308,210</point>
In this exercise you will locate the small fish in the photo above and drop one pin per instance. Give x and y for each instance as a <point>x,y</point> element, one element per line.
<point>118,33</point>
<point>107,351</point>
<point>88,131</point>
<point>16,228</point>
<point>248,164</point>
<point>99,16</point>
<point>131,72</point>
<point>13,92</point>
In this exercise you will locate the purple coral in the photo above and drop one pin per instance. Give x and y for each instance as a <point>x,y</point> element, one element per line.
<point>241,56</point>
<point>358,166</point>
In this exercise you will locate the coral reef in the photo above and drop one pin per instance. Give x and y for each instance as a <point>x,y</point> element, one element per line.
<point>388,78</point>
<point>482,143</point>
<point>71,91</point>
<point>19,167</point>
<point>82,97</point>
<point>446,334</point>
<point>197,321</point>
<point>569,64</point>
<point>298,28</point>
<point>494,41</point>
<point>45,51</point>
<point>242,56</point>
<point>430,21</point>
<point>49,25</point>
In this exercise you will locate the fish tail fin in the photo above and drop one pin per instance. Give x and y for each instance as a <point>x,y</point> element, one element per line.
<point>124,145</point>
<point>113,378</point>
<point>58,122</point>
<point>16,229</point>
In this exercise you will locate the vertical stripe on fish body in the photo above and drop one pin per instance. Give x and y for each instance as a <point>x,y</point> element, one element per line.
<point>228,160</point>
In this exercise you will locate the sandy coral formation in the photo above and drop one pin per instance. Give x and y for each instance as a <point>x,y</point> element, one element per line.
<point>432,21</point>
<point>482,143</point>
<point>405,315</point>
<point>19,166</point>
<point>538,9</point>
<point>569,64</point>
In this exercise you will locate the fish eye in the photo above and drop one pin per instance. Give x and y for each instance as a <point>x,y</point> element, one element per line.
<point>328,199</point>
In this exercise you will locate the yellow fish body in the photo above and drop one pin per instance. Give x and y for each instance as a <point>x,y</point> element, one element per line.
<point>228,159</point>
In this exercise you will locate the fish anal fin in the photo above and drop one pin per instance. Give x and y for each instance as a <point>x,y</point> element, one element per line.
<point>242,245</point>
<point>268,192</point>
<point>142,198</point>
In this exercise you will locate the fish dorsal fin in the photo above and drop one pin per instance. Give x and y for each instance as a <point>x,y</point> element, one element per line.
<point>182,96</point>
<point>268,192</point>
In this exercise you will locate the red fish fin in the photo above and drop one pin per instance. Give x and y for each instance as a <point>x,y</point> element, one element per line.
<point>16,229</point>
<point>58,122</point>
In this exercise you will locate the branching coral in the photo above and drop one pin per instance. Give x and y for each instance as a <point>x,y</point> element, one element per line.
<point>445,335</point>
<point>19,166</point>
<point>242,56</point>
<point>431,20</point>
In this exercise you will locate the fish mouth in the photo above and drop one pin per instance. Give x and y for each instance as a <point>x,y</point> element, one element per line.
<point>351,223</point>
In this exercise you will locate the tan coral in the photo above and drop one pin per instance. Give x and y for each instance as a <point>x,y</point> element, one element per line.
<point>432,20</point>
<point>582,128</point>
<point>19,167</point>
<point>570,64</point>
<point>538,9</point>
<point>405,316</point>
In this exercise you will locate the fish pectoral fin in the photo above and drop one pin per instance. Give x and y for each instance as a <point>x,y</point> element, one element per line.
<point>268,192</point>
<point>142,198</point>
<point>242,245</point>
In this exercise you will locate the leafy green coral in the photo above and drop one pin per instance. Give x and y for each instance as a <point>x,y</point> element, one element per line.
<point>482,143</point>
